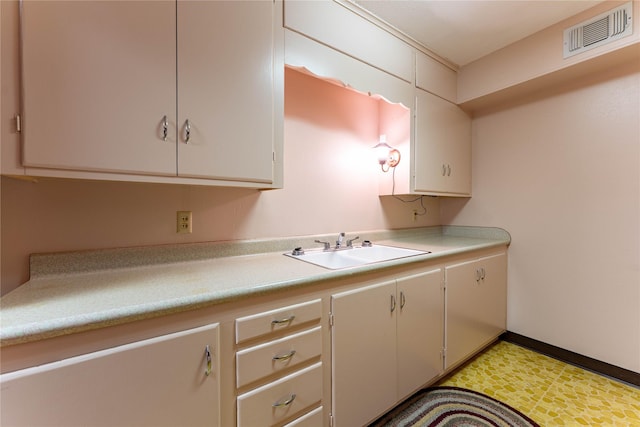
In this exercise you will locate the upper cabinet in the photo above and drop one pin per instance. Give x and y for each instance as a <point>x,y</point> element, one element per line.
<point>130,89</point>
<point>436,78</point>
<point>350,34</point>
<point>432,133</point>
<point>442,148</point>
<point>324,62</point>
<point>226,90</point>
<point>98,78</point>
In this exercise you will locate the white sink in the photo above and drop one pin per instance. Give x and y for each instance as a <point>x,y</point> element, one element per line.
<point>344,258</point>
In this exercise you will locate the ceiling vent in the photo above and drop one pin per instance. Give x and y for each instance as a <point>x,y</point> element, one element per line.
<point>599,30</point>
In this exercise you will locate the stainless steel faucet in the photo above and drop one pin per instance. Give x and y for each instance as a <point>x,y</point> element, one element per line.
<point>339,245</point>
<point>326,245</point>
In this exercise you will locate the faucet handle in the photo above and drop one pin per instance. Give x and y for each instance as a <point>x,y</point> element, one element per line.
<point>350,241</point>
<point>327,245</point>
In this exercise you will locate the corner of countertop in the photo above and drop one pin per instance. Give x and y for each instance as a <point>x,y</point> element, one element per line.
<point>496,233</point>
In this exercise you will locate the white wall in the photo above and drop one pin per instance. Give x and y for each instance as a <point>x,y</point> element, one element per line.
<point>561,172</point>
<point>331,185</point>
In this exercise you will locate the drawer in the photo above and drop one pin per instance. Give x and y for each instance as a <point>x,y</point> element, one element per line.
<point>277,320</point>
<point>312,419</point>
<point>282,399</point>
<point>269,358</point>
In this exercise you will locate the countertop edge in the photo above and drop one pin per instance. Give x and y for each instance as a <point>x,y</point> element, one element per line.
<point>36,331</point>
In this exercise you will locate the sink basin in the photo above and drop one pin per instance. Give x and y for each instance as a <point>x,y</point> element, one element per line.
<point>356,256</point>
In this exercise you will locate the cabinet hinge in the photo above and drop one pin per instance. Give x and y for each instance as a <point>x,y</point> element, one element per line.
<point>18,123</point>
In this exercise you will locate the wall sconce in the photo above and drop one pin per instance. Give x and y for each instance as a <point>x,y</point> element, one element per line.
<point>387,155</point>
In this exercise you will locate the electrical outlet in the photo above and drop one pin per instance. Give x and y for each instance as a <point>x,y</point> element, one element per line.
<point>184,222</point>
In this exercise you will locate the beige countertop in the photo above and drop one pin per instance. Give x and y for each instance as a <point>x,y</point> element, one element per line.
<point>79,291</point>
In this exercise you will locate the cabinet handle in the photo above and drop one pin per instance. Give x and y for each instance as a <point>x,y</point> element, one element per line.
<point>478,275</point>
<point>286,402</point>
<point>448,170</point>
<point>402,300</point>
<point>393,303</point>
<point>165,128</point>
<point>187,131</point>
<point>279,322</point>
<point>483,273</point>
<point>284,357</point>
<point>444,169</point>
<point>207,353</point>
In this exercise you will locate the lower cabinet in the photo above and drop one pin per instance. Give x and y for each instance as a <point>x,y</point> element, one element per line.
<point>165,381</point>
<point>281,399</point>
<point>386,343</point>
<point>280,364</point>
<point>279,370</point>
<point>476,305</point>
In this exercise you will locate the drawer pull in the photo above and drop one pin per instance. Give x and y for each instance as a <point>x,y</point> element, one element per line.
<point>284,357</point>
<point>165,128</point>
<point>279,322</point>
<point>187,131</point>
<point>282,403</point>
<point>207,352</point>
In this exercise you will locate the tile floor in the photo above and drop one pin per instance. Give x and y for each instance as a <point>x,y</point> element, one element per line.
<point>550,392</point>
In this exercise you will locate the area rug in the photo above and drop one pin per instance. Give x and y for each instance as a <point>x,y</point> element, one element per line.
<point>453,407</point>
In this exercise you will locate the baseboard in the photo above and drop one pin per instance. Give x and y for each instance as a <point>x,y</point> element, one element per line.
<point>572,358</point>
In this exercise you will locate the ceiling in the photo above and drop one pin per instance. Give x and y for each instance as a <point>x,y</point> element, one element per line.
<point>462,31</point>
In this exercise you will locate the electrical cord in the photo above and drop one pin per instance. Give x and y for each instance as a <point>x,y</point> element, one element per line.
<point>393,191</point>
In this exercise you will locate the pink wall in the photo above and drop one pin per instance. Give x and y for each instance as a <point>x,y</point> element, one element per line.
<point>560,170</point>
<point>331,185</point>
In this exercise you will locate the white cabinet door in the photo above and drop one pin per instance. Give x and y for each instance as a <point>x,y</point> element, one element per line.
<point>476,305</point>
<point>436,77</point>
<point>98,78</point>
<point>420,330</point>
<point>442,162</point>
<point>226,90</point>
<point>156,382</point>
<point>363,353</point>
<point>387,340</point>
